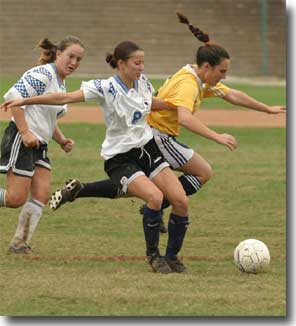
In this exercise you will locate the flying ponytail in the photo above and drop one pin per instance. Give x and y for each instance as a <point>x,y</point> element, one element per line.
<point>209,52</point>
<point>199,34</point>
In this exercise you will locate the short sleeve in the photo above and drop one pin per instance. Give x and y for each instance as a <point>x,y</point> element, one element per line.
<point>32,83</point>
<point>220,90</point>
<point>93,90</point>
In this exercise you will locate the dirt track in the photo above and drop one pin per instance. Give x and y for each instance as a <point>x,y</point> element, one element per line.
<point>212,117</point>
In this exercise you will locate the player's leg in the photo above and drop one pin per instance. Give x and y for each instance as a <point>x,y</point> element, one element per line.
<point>197,171</point>
<point>143,188</point>
<point>16,163</point>
<point>17,190</point>
<point>74,189</point>
<point>31,211</point>
<point>169,184</point>
<point>128,171</point>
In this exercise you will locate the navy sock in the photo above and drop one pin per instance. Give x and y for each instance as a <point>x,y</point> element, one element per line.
<point>151,224</point>
<point>177,229</point>
<point>190,184</point>
<point>104,188</point>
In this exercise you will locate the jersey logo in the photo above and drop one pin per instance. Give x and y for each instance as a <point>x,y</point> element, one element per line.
<point>137,115</point>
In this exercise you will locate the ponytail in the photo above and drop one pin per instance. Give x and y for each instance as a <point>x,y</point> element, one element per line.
<point>199,34</point>
<point>209,52</point>
<point>48,51</point>
<point>111,60</point>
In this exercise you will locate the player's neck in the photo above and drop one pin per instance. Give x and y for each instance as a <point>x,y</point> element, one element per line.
<point>127,81</point>
<point>199,74</point>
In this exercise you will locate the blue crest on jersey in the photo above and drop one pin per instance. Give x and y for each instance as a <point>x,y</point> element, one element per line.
<point>137,115</point>
<point>37,84</point>
<point>98,84</point>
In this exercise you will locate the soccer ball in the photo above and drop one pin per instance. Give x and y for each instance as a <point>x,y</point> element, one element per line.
<point>251,256</point>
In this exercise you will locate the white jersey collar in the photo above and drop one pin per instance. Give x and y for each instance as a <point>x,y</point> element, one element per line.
<point>189,68</point>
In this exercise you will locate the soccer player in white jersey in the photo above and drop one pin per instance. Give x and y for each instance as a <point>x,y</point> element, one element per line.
<point>184,92</point>
<point>132,158</point>
<point>24,143</point>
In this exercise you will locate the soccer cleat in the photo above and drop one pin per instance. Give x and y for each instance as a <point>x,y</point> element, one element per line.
<point>23,249</point>
<point>158,264</point>
<point>162,227</point>
<point>67,193</point>
<point>176,265</point>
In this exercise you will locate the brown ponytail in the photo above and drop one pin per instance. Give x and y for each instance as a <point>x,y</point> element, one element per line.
<point>199,34</point>
<point>209,52</point>
<point>48,51</point>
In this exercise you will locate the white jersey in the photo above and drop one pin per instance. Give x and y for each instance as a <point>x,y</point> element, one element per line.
<point>124,111</point>
<point>41,119</point>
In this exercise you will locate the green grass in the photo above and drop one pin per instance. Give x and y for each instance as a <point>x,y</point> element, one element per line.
<point>245,199</point>
<point>272,95</point>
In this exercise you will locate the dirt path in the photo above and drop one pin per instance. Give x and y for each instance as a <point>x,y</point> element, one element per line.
<point>212,117</point>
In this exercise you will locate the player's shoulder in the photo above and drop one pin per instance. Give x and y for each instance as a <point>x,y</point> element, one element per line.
<point>43,72</point>
<point>145,83</point>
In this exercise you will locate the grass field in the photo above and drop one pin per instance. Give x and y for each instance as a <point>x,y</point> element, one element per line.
<point>75,271</point>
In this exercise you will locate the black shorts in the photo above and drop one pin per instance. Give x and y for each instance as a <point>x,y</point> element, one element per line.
<point>124,168</point>
<point>16,156</point>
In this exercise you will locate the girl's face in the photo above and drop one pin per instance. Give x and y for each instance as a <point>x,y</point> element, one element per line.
<point>132,68</point>
<point>69,60</point>
<point>212,75</point>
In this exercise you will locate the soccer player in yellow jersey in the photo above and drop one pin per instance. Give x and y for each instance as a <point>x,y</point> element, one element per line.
<point>185,91</point>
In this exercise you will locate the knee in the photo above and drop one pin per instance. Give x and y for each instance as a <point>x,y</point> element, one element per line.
<point>155,199</point>
<point>180,204</point>
<point>206,175</point>
<point>14,200</point>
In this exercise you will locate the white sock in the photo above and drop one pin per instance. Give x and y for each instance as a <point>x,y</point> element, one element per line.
<point>27,223</point>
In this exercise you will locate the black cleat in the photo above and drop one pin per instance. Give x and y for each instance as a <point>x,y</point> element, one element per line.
<point>67,193</point>
<point>176,265</point>
<point>158,264</point>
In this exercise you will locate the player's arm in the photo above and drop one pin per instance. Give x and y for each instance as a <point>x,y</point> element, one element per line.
<point>240,98</point>
<point>190,122</point>
<point>65,143</point>
<point>28,138</point>
<point>160,104</point>
<point>49,99</point>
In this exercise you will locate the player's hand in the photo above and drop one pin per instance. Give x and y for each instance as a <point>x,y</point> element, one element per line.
<point>30,140</point>
<point>67,145</point>
<point>277,109</point>
<point>11,103</point>
<point>227,140</point>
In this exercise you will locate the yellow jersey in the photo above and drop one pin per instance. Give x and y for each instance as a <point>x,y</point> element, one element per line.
<point>185,89</point>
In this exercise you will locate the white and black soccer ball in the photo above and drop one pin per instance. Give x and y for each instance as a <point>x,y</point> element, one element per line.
<point>251,256</point>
